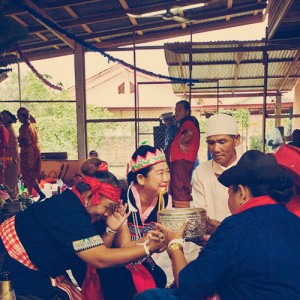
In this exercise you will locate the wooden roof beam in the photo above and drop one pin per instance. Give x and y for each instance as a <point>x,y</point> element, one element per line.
<point>84,26</point>
<point>255,12</point>
<point>119,15</point>
<point>40,35</point>
<point>183,86</point>
<point>46,5</point>
<point>107,41</point>
<point>159,34</point>
<point>291,69</point>
<point>229,6</point>
<point>132,20</point>
<point>239,57</point>
<point>65,39</point>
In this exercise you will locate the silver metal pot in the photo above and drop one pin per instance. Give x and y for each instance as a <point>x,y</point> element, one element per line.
<point>174,218</point>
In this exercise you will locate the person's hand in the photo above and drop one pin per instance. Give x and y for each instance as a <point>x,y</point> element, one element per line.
<point>156,241</point>
<point>211,225</point>
<point>121,209</point>
<point>171,235</point>
<point>156,235</point>
<point>115,220</point>
<point>203,240</point>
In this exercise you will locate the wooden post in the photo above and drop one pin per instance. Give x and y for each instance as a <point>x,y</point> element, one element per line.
<point>80,88</point>
<point>278,110</point>
<point>296,108</point>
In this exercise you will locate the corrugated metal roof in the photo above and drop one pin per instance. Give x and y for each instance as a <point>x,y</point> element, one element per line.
<point>233,66</point>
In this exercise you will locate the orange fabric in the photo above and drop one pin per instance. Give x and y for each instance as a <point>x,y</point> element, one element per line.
<point>11,171</point>
<point>4,135</point>
<point>30,156</point>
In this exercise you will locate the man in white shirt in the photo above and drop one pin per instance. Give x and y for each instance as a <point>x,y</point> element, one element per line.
<point>222,139</point>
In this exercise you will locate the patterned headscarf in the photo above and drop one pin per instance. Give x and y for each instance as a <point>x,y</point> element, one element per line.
<point>99,188</point>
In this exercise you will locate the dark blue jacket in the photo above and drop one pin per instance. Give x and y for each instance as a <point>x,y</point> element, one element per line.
<point>253,255</point>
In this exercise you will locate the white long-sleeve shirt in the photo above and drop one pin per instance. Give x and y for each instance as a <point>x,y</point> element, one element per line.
<point>208,192</point>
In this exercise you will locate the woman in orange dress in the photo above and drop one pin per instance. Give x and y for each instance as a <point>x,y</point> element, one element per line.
<point>30,155</point>
<point>11,172</point>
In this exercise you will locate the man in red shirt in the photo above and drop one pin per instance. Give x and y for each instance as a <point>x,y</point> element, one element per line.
<point>183,154</point>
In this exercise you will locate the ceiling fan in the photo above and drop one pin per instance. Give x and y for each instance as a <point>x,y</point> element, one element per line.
<point>168,13</point>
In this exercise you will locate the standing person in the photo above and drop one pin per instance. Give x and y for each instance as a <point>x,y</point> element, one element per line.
<point>93,154</point>
<point>296,138</point>
<point>288,156</point>
<point>254,254</point>
<point>56,234</point>
<point>11,172</point>
<point>148,182</point>
<point>183,154</point>
<point>4,135</point>
<point>222,139</point>
<point>30,155</point>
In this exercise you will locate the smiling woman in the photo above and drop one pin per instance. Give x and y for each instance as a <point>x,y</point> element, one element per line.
<point>148,178</point>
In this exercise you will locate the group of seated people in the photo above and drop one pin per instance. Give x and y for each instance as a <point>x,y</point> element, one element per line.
<point>96,240</point>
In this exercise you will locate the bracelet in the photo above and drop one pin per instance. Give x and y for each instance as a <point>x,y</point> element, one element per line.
<point>108,230</point>
<point>146,248</point>
<point>177,241</point>
<point>173,247</point>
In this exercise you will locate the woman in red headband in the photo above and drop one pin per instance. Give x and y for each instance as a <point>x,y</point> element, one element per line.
<point>54,235</point>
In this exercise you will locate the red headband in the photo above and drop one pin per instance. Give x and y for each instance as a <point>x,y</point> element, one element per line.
<point>100,188</point>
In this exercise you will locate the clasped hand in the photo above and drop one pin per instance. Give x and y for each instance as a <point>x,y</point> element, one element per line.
<point>170,234</point>
<point>156,240</point>
<point>117,217</point>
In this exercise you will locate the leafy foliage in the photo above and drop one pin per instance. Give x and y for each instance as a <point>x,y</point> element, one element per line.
<point>56,122</point>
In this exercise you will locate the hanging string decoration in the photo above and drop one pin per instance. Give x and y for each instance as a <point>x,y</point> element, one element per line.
<point>32,68</point>
<point>89,46</point>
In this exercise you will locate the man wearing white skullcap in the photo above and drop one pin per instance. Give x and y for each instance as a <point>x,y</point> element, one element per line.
<point>222,139</point>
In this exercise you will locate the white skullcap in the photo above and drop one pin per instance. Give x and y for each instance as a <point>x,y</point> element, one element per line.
<point>221,124</point>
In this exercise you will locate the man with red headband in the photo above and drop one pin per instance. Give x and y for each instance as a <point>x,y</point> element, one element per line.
<point>56,234</point>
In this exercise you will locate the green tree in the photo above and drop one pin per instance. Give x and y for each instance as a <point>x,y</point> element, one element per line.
<point>56,122</point>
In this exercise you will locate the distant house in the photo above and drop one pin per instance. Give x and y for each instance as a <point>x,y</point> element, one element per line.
<point>114,89</point>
